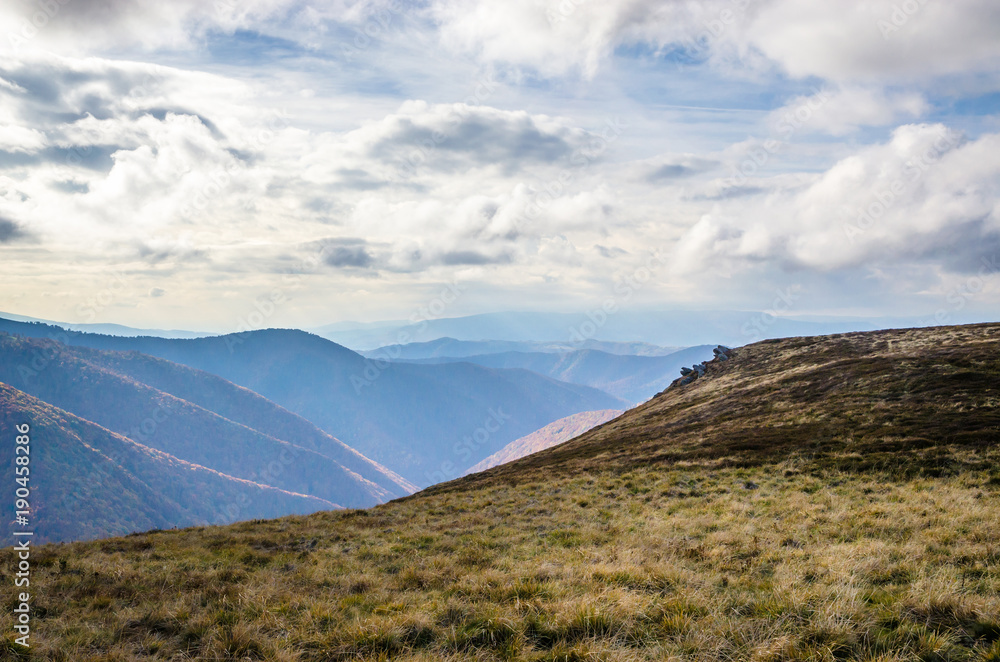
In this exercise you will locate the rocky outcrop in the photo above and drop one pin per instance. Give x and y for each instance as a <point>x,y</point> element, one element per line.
<point>688,375</point>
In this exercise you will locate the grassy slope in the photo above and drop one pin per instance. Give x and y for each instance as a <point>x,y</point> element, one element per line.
<point>552,434</point>
<point>826,498</point>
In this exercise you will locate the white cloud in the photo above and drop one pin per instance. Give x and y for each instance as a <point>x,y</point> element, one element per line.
<point>853,40</point>
<point>878,41</point>
<point>558,36</point>
<point>78,26</point>
<point>843,110</point>
<point>926,196</point>
<point>20,139</point>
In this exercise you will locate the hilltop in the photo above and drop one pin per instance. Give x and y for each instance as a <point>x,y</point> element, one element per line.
<point>825,498</point>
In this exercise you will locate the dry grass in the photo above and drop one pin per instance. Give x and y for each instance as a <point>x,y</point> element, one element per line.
<point>650,564</point>
<point>806,551</point>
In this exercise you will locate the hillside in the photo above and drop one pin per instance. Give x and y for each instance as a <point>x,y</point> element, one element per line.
<point>86,384</point>
<point>243,406</point>
<point>89,482</point>
<point>911,399</point>
<point>426,423</point>
<point>552,434</point>
<point>632,378</point>
<point>828,498</point>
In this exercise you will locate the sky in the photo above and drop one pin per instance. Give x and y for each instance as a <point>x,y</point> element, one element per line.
<point>195,164</point>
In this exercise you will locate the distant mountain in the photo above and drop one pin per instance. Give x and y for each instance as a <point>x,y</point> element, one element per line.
<point>551,435</point>
<point>451,348</point>
<point>667,328</point>
<point>109,329</point>
<point>88,482</point>
<point>283,450</point>
<point>634,379</point>
<point>425,422</point>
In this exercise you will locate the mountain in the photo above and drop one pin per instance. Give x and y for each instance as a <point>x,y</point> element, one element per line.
<point>631,378</point>
<point>551,435</point>
<point>88,482</point>
<point>451,348</point>
<point>667,328</point>
<point>426,423</point>
<point>108,329</point>
<point>826,498</point>
<point>196,417</point>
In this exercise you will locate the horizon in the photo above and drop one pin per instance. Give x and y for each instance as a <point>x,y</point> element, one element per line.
<point>180,166</point>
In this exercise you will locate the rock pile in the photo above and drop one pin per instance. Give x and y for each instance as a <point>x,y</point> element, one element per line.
<point>688,375</point>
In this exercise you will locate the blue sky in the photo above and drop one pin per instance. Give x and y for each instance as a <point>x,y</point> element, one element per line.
<point>184,163</point>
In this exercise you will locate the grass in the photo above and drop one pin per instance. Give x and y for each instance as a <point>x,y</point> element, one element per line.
<point>851,544</point>
<point>807,565</point>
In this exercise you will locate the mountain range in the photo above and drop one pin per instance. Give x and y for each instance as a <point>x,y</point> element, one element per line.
<point>426,423</point>
<point>89,482</point>
<point>452,348</point>
<point>634,379</point>
<point>666,328</point>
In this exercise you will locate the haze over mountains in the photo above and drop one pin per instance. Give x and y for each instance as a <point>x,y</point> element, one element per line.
<point>89,482</point>
<point>632,332</point>
<point>158,412</point>
<point>425,422</point>
<point>665,328</point>
<point>108,329</point>
<point>631,378</point>
<point>452,348</point>
<point>551,435</point>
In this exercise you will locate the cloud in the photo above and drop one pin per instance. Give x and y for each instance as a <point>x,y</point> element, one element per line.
<point>347,256</point>
<point>451,137</point>
<point>157,292</point>
<point>20,139</point>
<point>928,195</point>
<point>877,41</point>
<point>81,25</point>
<point>182,174</point>
<point>453,258</point>
<point>11,231</point>
<point>844,41</point>
<point>679,167</point>
<point>556,37</point>
<point>843,110</point>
